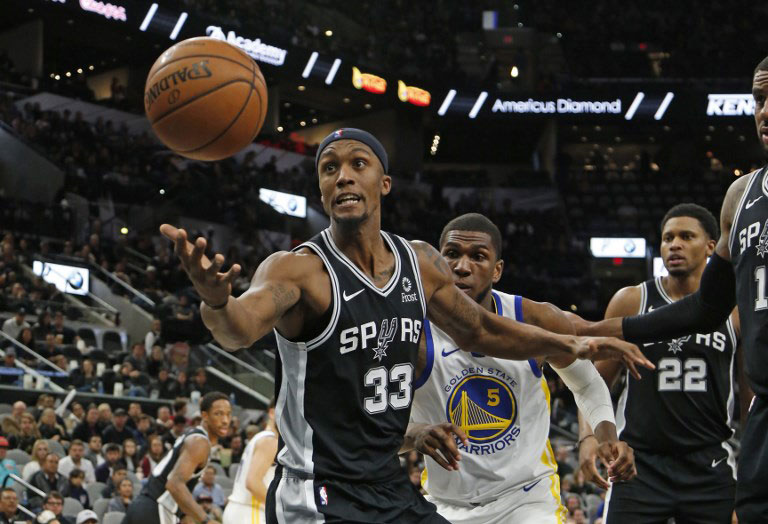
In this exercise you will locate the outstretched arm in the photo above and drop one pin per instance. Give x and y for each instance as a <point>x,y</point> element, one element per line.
<point>475,329</point>
<point>193,455</point>
<point>239,322</point>
<point>700,312</point>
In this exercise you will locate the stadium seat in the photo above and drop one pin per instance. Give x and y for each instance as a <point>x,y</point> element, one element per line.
<point>94,491</point>
<point>54,446</point>
<point>113,517</point>
<point>100,506</point>
<point>72,353</point>
<point>112,343</point>
<point>5,408</point>
<point>88,336</point>
<point>233,469</point>
<point>20,456</point>
<point>224,481</point>
<point>72,506</point>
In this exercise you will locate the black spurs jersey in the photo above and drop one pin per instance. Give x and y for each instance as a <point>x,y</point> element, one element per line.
<point>345,396</point>
<point>155,487</point>
<point>687,402</point>
<point>749,253</point>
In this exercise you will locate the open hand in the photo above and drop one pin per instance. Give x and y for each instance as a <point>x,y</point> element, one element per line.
<point>438,442</point>
<point>212,286</point>
<point>609,348</point>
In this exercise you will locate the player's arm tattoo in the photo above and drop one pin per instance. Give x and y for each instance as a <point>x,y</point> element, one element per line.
<point>283,297</point>
<point>432,257</point>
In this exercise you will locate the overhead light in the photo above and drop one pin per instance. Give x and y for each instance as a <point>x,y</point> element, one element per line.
<point>367,106</point>
<point>314,120</point>
<point>90,67</point>
<point>302,88</point>
<point>79,70</point>
<point>279,129</point>
<point>287,104</point>
<point>559,35</point>
<point>302,123</point>
<point>346,100</point>
<point>57,77</point>
<point>53,75</point>
<point>328,32</point>
<point>124,230</point>
<point>737,172</point>
<point>68,74</point>
<point>514,72</point>
<point>162,191</point>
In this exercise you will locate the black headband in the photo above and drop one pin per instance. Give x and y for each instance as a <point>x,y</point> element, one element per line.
<point>351,133</point>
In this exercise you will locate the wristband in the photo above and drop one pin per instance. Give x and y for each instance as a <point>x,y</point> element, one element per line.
<point>578,444</point>
<point>220,306</point>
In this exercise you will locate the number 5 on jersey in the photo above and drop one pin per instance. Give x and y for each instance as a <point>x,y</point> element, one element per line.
<point>379,379</point>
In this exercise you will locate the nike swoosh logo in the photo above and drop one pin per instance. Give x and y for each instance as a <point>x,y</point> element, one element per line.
<point>529,487</point>
<point>716,462</point>
<point>750,203</point>
<point>347,298</point>
<point>445,354</point>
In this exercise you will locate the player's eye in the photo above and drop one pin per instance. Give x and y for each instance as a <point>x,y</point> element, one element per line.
<point>359,162</point>
<point>450,253</point>
<point>479,256</point>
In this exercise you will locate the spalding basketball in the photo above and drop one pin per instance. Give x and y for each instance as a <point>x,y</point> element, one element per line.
<point>205,98</point>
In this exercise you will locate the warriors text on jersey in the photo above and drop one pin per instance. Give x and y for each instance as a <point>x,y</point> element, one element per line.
<point>155,487</point>
<point>345,396</point>
<point>749,254</point>
<point>502,406</point>
<point>687,402</point>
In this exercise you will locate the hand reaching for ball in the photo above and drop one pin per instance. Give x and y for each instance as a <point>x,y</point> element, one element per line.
<point>213,286</point>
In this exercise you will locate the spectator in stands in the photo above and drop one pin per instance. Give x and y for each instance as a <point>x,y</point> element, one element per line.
<point>60,329</point>
<point>562,455</point>
<point>166,385</point>
<point>18,409</point>
<point>11,430</point>
<point>29,434</point>
<point>164,419</point>
<point>55,502</point>
<point>9,507</point>
<point>47,480</point>
<point>206,502</point>
<point>143,432</point>
<point>112,461</point>
<point>94,452</point>
<point>208,486</point>
<point>38,454</point>
<point>43,325</point>
<point>138,358</point>
<point>50,346</point>
<point>572,503</point>
<point>87,516</point>
<point>123,497</point>
<point>134,381</point>
<point>75,416</point>
<point>131,456</point>
<point>179,357</point>
<point>60,361</point>
<point>75,487</point>
<point>236,445</point>
<point>134,415</point>
<point>9,361</point>
<point>184,388</point>
<point>105,416</point>
<point>200,382</point>
<point>7,466</point>
<point>118,475</point>
<point>49,427</point>
<point>13,326</point>
<point>25,338</point>
<point>180,406</point>
<point>153,456</point>
<point>156,361</point>
<point>579,517</point>
<point>183,310</point>
<point>152,337</point>
<point>179,424</point>
<point>88,427</point>
<point>76,460</point>
<point>84,378</point>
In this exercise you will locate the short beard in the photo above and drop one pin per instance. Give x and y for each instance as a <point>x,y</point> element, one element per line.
<point>678,273</point>
<point>351,223</point>
<point>484,293</point>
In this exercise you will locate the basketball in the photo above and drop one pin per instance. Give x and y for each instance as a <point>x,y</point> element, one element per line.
<point>205,98</point>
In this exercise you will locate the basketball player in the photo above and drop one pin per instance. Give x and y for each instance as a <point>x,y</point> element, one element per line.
<point>508,470</point>
<point>249,493</point>
<point>169,488</point>
<point>347,308</point>
<point>687,429</point>
<point>743,246</point>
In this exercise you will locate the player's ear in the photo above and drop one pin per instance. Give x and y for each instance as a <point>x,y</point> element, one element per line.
<point>711,244</point>
<point>386,184</point>
<point>498,269</point>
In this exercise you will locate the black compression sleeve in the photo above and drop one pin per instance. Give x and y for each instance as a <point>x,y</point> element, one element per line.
<point>701,312</point>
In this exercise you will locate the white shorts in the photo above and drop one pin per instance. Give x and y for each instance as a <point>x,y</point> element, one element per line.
<point>237,513</point>
<point>539,504</point>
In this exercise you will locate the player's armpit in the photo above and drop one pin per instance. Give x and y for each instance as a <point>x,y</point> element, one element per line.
<point>275,288</point>
<point>193,455</point>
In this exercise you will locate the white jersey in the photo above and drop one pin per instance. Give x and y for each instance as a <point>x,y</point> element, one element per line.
<point>240,493</point>
<point>502,406</point>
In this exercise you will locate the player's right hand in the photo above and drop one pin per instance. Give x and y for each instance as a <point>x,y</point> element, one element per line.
<point>610,348</point>
<point>438,442</point>
<point>213,286</point>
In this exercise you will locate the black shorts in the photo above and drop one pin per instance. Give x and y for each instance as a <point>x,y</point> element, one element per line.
<point>145,510</point>
<point>752,486</point>
<point>696,487</point>
<point>296,499</point>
